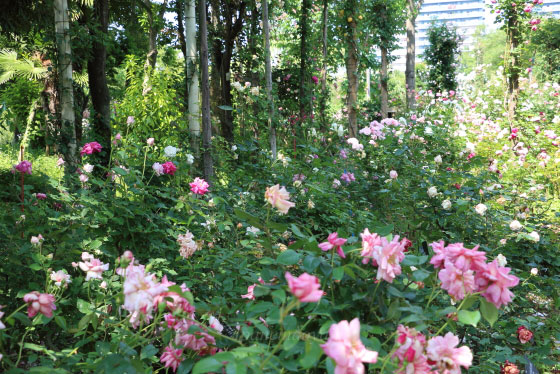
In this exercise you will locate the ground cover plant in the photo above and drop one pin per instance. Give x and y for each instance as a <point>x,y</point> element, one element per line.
<point>293,224</point>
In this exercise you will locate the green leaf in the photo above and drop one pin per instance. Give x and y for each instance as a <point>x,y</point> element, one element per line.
<point>83,306</point>
<point>489,311</point>
<point>225,107</point>
<point>338,273</point>
<point>312,354</point>
<point>469,317</point>
<point>288,257</point>
<point>148,351</point>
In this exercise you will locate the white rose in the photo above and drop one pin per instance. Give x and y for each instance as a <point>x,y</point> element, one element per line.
<point>446,204</point>
<point>432,192</point>
<point>534,271</point>
<point>190,159</point>
<point>515,225</point>
<point>481,209</point>
<point>535,236</point>
<point>502,261</point>
<point>170,151</point>
<point>88,168</point>
<point>310,204</point>
<point>438,159</point>
<point>233,148</point>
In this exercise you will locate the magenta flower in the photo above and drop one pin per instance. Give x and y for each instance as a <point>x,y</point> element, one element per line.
<point>447,358</point>
<point>41,196</point>
<point>334,242</point>
<point>39,303</point>
<point>346,349</point>
<point>315,79</point>
<point>199,186</point>
<point>169,168</point>
<point>171,358</point>
<point>305,287</point>
<point>23,167</point>
<point>90,148</point>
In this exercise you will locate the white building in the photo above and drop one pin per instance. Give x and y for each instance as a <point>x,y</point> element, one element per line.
<point>465,15</point>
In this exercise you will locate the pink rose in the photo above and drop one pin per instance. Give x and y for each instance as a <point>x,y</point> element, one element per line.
<point>278,197</point>
<point>447,358</point>
<point>39,303</point>
<point>169,168</point>
<point>346,349</point>
<point>334,242</point>
<point>305,287</point>
<point>199,186</point>
<point>89,148</point>
<point>23,167</point>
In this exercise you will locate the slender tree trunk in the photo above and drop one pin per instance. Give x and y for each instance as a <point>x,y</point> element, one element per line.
<point>512,64</point>
<point>208,168</point>
<point>99,91</point>
<point>68,131</point>
<point>192,78</point>
<point>305,6</point>
<point>268,78</point>
<point>323,103</point>
<point>383,82</point>
<point>153,31</point>
<point>368,84</point>
<point>352,74</point>
<point>412,8</point>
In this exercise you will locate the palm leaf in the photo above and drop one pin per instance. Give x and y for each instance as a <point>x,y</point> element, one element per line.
<point>11,66</point>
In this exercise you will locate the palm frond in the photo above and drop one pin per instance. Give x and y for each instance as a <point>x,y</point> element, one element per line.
<point>81,79</point>
<point>12,66</point>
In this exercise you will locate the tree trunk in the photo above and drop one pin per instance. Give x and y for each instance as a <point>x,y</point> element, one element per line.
<point>412,8</point>
<point>192,78</point>
<point>512,64</point>
<point>323,104</point>
<point>368,84</point>
<point>67,132</point>
<point>268,79</point>
<point>352,74</point>
<point>208,168</point>
<point>153,31</point>
<point>99,91</point>
<point>383,78</point>
<point>303,23</point>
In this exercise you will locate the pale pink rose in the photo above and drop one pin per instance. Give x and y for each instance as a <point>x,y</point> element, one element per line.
<point>199,186</point>
<point>173,300</point>
<point>171,358</point>
<point>393,174</point>
<point>92,266</point>
<point>494,283</point>
<point>458,283</point>
<point>278,197</point>
<point>150,141</point>
<point>215,324</point>
<point>39,303</point>
<point>83,178</point>
<point>158,168</point>
<point>60,278</point>
<point>2,326</point>
<point>60,162</point>
<point>388,256</point>
<point>369,243</point>
<point>447,358</point>
<point>140,290</point>
<point>346,349</point>
<point>118,136</point>
<point>334,242</point>
<point>249,295</point>
<point>305,287</point>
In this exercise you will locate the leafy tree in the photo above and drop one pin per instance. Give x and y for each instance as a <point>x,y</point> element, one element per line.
<point>546,41</point>
<point>441,56</point>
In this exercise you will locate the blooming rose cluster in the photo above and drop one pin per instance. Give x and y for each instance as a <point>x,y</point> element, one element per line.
<point>465,271</point>
<point>386,255</point>
<point>90,148</point>
<point>345,347</point>
<point>188,245</point>
<point>278,197</point>
<point>416,355</point>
